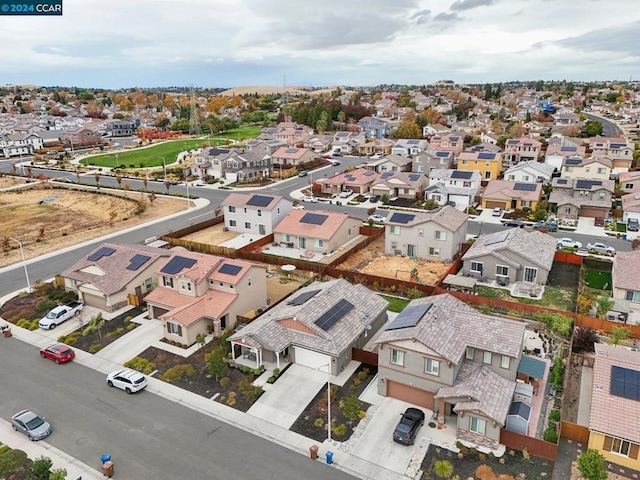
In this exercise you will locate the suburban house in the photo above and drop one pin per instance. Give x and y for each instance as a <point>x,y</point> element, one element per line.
<point>625,280</point>
<point>380,146</point>
<point>292,157</point>
<point>450,142</point>
<point>523,149</point>
<point>409,147</point>
<point>201,294</point>
<point>322,233</point>
<point>318,142</point>
<point>629,182</point>
<point>435,129</point>
<point>241,166</point>
<point>441,354</point>
<point>432,159</point>
<point>488,164</point>
<point>210,162</point>
<point>294,135</point>
<point>619,150</point>
<point>316,327</point>
<point>453,186</point>
<point>16,144</point>
<point>511,256</point>
<point>75,137</point>
<point>266,146</point>
<point>630,206</point>
<point>113,276</point>
<point>530,171</point>
<point>511,195</point>
<point>399,185</point>
<point>121,128</point>
<point>574,197</point>
<point>591,167</point>
<point>359,180</point>
<point>390,163</point>
<point>374,127</point>
<point>347,142</point>
<point>433,235</point>
<point>613,430</point>
<point>556,153</point>
<point>565,119</point>
<point>254,214</point>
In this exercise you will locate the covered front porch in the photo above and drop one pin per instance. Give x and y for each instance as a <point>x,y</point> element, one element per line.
<point>242,353</point>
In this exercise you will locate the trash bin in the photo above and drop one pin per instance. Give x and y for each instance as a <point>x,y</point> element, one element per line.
<point>6,330</point>
<point>105,457</point>
<point>329,456</point>
<point>107,469</point>
<point>313,452</point>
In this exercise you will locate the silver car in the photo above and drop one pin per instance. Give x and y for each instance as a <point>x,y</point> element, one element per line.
<point>33,426</point>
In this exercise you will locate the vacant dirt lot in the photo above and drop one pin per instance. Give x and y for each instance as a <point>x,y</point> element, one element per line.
<point>47,219</point>
<point>372,260</point>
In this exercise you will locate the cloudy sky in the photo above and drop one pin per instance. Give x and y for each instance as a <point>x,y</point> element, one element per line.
<point>226,43</point>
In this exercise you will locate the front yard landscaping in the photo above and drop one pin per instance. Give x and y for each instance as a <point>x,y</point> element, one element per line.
<point>35,305</point>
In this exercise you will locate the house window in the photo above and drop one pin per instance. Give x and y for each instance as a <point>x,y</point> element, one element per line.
<point>601,196</point>
<point>247,225</point>
<point>568,169</point>
<point>469,354</point>
<point>434,252</point>
<point>249,281</point>
<point>185,286</point>
<point>601,170</point>
<point>232,209</point>
<point>526,203</point>
<point>318,243</point>
<point>587,169</point>
<point>286,238</point>
<point>486,357</point>
<point>511,178</point>
<point>477,267</point>
<point>633,296</point>
<point>619,446</point>
<point>395,230</point>
<point>502,271</point>
<point>431,366</point>
<point>232,223</point>
<point>441,235</point>
<point>465,162</point>
<point>487,174</point>
<point>478,425</point>
<point>525,178</point>
<point>394,245</point>
<point>259,213</point>
<point>505,362</point>
<point>148,284</point>
<point>174,328</point>
<point>167,282</point>
<point>397,357</point>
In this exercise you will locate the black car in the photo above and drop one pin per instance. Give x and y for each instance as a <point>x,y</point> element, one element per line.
<point>407,429</point>
<point>374,198</point>
<point>514,223</point>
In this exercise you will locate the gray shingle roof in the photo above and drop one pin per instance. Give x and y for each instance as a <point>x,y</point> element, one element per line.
<point>447,216</point>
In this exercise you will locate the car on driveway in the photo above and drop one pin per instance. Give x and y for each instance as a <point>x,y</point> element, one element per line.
<point>513,223</point>
<point>407,429</point>
<point>58,352</point>
<point>568,243</point>
<point>375,218</point>
<point>496,212</point>
<point>601,249</point>
<point>550,226</point>
<point>374,198</point>
<point>32,425</point>
<point>346,193</point>
<point>128,380</point>
<point>309,199</point>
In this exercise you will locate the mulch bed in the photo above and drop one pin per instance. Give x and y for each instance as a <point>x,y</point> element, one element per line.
<point>20,307</point>
<point>109,333</point>
<point>312,421</point>
<point>201,382</point>
<point>487,467</point>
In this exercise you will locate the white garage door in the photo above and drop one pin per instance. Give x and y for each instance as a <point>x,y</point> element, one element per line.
<point>310,359</point>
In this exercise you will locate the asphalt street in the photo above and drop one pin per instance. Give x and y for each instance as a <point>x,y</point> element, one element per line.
<point>148,436</point>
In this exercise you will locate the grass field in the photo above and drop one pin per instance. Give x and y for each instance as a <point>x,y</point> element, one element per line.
<point>597,279</point>
<point>151,156</point>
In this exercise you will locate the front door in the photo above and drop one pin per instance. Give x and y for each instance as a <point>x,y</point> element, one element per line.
<point>530,274</point>
<point>302,242</point>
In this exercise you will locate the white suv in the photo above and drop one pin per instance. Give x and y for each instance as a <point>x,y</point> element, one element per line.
<point>128,380</point>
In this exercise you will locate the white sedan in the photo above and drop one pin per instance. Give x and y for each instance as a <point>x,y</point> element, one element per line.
<point>346,193</point>
<point>568,242</point>
<point>309,199</point>
<point>377,218</point>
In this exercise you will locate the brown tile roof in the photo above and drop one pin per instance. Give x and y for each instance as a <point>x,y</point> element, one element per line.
<point>625,270</point>
<point>359,176</point>
<point>611,414</point>
<point>292,225</point>
<point>211,305</point>
<point>505,190</point>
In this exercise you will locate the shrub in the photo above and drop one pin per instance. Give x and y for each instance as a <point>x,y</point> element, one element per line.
<point>176,373</point>
<point>12,459</point>
<point>340,430</point>
<point>276,372</point>
<point>119,331</point>
<point>318,422</point>
<point>95,348</point>
<point>249,392</point>
<point>231,400</point>
<point>72,338</point>
<point>432,424</point>
<point>362,376</point>
<point>591,465</point>
<point>271,379</point>
<point>550,434</point>
<point>414,293</point>
<point>224,382</point>
<point>554,415</point>
<point>131,326</point>
<point>45,305</point>
<point>41,467</point>
<point>141,365</point>
<point>443,468</point>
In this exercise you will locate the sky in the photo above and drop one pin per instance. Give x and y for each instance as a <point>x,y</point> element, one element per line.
<point>228,43</point>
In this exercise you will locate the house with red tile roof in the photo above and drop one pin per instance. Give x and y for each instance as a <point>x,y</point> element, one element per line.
<point>200,294</point>
<point>511,195</point>
<point>322,233</point>
<point>358,180</point>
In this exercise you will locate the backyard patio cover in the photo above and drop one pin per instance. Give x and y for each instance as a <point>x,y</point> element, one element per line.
<point>531,367</point>
<point>459,281</point>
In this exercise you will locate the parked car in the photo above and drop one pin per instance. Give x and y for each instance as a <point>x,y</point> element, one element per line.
<point>309,199</point>
<point>374,198</point>
<point>128,380</point>
<point>298,207</point>
<point>58,352</point>
<point>496,212</point>
<point>407,429</point>
<point>568,243</point>
<point>60,314</point>
<point>32,425</point>
<point>514,223</point>
<point>303,173</point>
<point>337,153</point>
<point>632,225</point>
<point>377,218</point>
<point>346,193</point>
<point>335,163</point>
<point>601,249</point>
<point>550,226</point>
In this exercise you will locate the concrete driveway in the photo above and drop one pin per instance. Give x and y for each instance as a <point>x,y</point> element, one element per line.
<point>283,402</point>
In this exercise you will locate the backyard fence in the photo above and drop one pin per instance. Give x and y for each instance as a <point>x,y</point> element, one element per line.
<point>605,325</point>
<point>572,431</point>
<point>534,446</point>
<point>364,356</point>
<point>568,257</point>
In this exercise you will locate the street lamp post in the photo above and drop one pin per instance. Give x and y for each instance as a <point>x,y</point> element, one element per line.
<point>188,203</point>
<point>164,168</point>
<point>24,262</point>
<point>328,365</point>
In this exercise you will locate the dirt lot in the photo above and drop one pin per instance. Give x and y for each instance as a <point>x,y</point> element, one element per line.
<point>372,260</point>
<point>46,220</point>
<point>211,236</point>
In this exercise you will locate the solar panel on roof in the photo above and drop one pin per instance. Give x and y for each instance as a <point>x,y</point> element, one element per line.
<point>625,383</point>
<point>562,181</point>
<point>303,297</point>
<point>486,156</point>
<point>617,145</point>
<point>386,175</point>
<point>402,217</point>
<point>291,150</point>
<point>176,264</point>
<point>101,252</point>
<point>259,200</point>
<point>568,149</point>
<point>454,139</point>
<point>334,314</point>
<point>525,187</point>
<point>410,316</point>
<point>414,177</point>
<point>229,269</point>
<point>413,142</point>
<point>368,173</point>
<point>314,218</point>
<point>573,161</point>
<point>497,238</point>
<point>351,178</point>
<point>461,174</point>
<point>588,184</point>
<point>442,154</point>
<point>137,261</point>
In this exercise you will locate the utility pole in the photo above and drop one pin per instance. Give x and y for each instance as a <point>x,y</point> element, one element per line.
<point>194,123</point>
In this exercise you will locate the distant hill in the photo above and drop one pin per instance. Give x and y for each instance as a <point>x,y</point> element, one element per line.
<point>292,90</point>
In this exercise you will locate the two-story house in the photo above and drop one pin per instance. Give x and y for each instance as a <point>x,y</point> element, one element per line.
<point>619,150</point>
<point>511,195</point>
<point>121,128</point>
<point>433,235</point>
<point>318,142</point>
<point>210,162</point>
<point>521,149</point>
<point>443,355</point>
<point>241,166</point>
<point>452,142</point>
<point>379,146</point>
<point>629,182</point>
<point>488,164</point>
<point>200,294</point>
<point>374,127</point>
<point>630,206</point>
<point>390,163</point>
<point>556,153</point>
<point>347,142</point>
<point>573,197</point>
<point>17,144</point>
<point>399,185</point>
<point>254,214</point>
<point>266,146</point>
<point>409,147</point>
<point>624,276</point>
<point>529,172</point>
<point>435,129</point>
<point>453,187</point>
<point>430,159</point>
<point>590,167</point>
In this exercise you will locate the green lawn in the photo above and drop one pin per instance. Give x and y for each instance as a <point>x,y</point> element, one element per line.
<point>395,304</point>
<point>597,279</point>
<point>552,297</point>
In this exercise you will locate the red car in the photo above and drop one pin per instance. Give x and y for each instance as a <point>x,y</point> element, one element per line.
<point>58,352</point>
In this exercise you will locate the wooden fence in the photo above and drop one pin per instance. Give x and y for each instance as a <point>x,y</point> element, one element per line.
<point>579,433</point>
<point>605,325</point>
<point>534,446</point>
<point>382,284</point>
<point>364,356</point>
<point>568,257</point>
